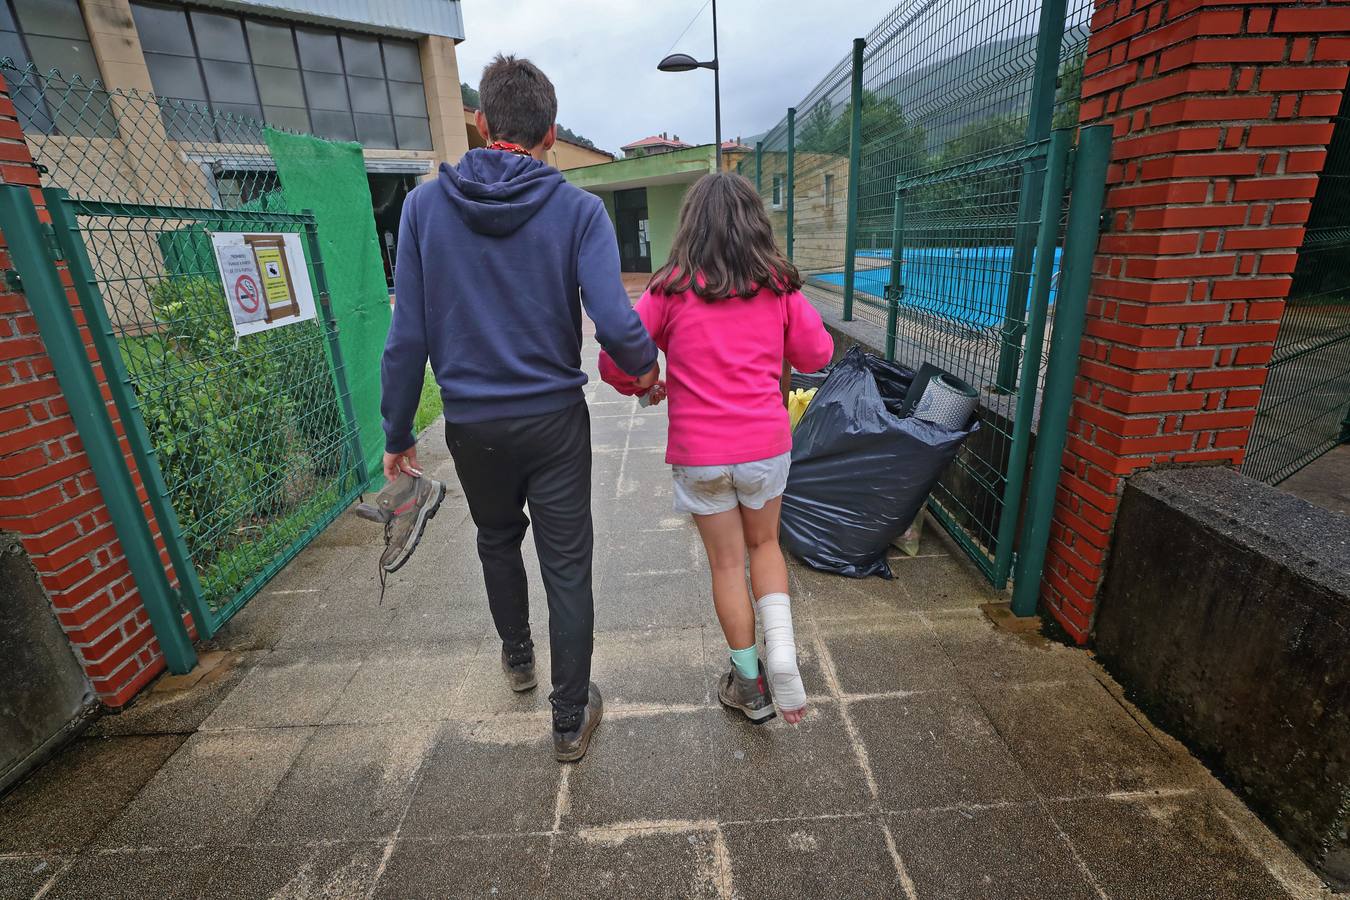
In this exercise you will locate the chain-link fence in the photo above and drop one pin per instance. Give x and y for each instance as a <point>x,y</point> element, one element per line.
<point>908,188</point>
<point>1305,405</point>
<point>245,441</point>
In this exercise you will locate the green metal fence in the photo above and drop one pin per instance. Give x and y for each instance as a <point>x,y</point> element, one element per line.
<point>246,445</point>
<point>924,186</point>
<point>1305,405</point>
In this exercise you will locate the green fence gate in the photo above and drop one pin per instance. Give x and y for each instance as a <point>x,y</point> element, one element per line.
<point>246,445</point>
<point>935,185</point>
<point>1305,404</point>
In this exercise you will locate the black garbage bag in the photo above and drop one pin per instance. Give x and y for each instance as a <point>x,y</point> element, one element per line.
<point>860,473</point>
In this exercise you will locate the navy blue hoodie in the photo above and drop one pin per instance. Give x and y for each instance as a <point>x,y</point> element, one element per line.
<point>495,260</point>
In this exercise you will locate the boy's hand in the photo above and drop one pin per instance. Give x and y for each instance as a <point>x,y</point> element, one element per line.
<point>646,381</point>
<point>405,462</point>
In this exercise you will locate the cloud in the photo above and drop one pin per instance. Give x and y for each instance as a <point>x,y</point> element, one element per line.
<point>602,55</point>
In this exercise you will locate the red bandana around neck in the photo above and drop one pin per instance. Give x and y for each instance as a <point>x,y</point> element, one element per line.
<point>508,147</point>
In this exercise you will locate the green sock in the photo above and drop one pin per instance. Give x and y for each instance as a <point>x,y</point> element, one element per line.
<point>746,662</point>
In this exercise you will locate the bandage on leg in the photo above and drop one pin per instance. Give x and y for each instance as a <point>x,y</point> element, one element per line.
<point>780,651</point>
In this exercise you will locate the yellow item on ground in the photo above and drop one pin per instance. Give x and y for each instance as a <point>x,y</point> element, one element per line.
<point>798,400</point>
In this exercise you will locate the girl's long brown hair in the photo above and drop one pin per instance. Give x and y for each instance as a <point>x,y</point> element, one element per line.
<point>724,245</point>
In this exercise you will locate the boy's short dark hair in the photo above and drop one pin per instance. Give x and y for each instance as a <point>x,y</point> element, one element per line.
<point>518,101</point>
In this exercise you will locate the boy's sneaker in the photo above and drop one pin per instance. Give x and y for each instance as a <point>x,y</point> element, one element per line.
<point>571,745</point>
<point>404,506</point>
<point>749,695</point>
<point>519,669</point>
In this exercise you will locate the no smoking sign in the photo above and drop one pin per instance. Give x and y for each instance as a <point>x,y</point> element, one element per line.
<point>246,293</point>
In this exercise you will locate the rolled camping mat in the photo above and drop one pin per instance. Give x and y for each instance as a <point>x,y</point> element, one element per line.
<point>947,401</point>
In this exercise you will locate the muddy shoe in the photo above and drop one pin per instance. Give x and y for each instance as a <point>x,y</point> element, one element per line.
<point>404,506</point>
<point>749,695</point>
<point>571,745</point>
<point>519,669</point>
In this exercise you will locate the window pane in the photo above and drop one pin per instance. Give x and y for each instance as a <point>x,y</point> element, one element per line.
<point>238,111</point>
<point>409,99</point>
<point>279,87</point>
<point>335,125</point>
<point>11,46</point>
<point>185,121</point>
<point>71,57</point>
<point>368,95</point>
<point>272,44</point>
<point>286,117</point>
<point>401,61</point>
<point>219,37</point>
<point>53,18</point>
<point>362,56</point>
<point>162,30</point>
<point>375,131</point>
<point>318,50</point>
<point>229,82</point>
<point>413,134</point>
<point>326,91</point>
<point>175,76</point>
<point>6,20</point>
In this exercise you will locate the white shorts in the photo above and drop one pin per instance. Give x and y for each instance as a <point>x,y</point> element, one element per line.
<point>708,490</point>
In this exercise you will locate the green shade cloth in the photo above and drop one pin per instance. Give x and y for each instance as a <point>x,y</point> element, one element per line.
<point>329,179</point>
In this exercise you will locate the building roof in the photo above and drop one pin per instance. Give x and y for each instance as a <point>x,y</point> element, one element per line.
<point>656,140</point>
<point>735,145</point>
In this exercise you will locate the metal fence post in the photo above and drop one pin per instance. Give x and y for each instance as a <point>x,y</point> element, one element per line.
<point>128,408</point>
<point>854,159</point>
<point>895,289</point>
<point>759,167</point>
<point>61,335</point>
<point>791,178</point>
<point>1049,39</point>
<point>1080,246</point>
<point>1052,197</point>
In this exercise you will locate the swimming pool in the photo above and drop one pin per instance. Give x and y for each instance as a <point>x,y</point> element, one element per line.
<point>967,284</point>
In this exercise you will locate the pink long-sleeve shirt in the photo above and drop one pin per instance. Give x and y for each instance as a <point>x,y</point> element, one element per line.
<point>724,364</point>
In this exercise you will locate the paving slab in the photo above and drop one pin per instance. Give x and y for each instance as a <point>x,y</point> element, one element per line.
<point>643,767</point>
<point>491,777</point>
<point>505,866</point>
<point>1075,739</point>
<point>328,870</point>
<point>399,685</point>
<point>879,657</point>
<point>179,711</point>
<point>984,655</point>
<point>657,863</point>
<point>167,874</point>
<point>780,771</point>
<point>652,666</point>
<point>941,582</point>
<point>1012,852</point>
<point>214,785</point>
<point>1164,848</point>
<point>806,859</point>
<point>22,877</point>
<point>75,795</point>
<point>350,782</point>
<point>287,690</point>
<point>936,750</point>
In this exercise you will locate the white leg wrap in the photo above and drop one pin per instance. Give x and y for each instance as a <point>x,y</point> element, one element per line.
<point>780,651</point>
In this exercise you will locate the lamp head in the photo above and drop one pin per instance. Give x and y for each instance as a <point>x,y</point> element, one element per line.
<point>678,62</point>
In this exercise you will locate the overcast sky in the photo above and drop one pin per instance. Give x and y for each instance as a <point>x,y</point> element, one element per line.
<point>602,56</point>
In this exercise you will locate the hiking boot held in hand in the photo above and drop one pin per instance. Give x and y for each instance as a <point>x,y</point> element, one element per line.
<point>570,745</point>
<point>749,695</point>
<point>404,506</point>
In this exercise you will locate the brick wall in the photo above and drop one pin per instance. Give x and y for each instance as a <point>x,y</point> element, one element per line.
<point>48,495</point>
<point>1221,115</point>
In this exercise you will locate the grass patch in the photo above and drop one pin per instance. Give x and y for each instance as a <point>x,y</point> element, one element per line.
<point>429,407</point>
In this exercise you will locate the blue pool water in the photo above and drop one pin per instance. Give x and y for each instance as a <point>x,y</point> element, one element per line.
<point>967,284</point>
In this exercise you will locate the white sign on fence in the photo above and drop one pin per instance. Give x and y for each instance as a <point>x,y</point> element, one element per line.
<point>265,280</point>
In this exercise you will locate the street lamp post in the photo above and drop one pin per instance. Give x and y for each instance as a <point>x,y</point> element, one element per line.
<point>683,62</point>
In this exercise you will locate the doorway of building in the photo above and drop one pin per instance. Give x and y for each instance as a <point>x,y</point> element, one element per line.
<point>635,244</point>
<point>386,195</point>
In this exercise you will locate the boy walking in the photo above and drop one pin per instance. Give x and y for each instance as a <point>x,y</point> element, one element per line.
<point>495,260</point>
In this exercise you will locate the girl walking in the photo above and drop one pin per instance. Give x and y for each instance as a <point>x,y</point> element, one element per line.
<point>727,311</point>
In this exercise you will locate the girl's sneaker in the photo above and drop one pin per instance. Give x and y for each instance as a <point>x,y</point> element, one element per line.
<point>749,695</point>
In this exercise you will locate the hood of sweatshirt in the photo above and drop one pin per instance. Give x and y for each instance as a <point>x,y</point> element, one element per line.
<point>496,192</point>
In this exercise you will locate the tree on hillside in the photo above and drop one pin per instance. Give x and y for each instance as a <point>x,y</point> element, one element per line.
<point>472,99</point>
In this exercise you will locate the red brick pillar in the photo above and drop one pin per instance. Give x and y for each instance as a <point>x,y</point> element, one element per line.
<point>1221,114</point>
<point>48,495</point>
